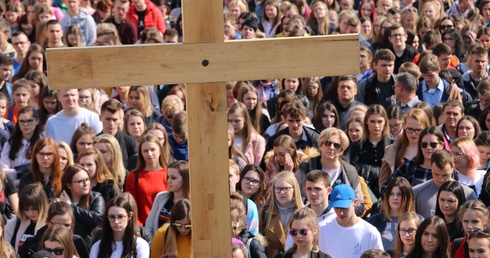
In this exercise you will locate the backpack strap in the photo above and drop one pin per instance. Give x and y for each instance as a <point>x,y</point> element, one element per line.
<point>17,226</point>
<point>456,244</point>
<point>249,241</point>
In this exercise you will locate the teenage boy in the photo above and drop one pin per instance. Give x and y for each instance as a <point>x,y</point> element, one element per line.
<point>295,114</point>
<point>145,14</point>
<point>21,44</point>
<point>54,34</point>
<point>478,72</point>
<point>346,94</point>
<point>403,52</point>
<point>378,89</point>
<point>178,138</point>
<point>62,125</point>
<point>110,116</point>
<point>347,236</point>
<point>127,30</point>
<point>79,16</point>
<point>433,89</point>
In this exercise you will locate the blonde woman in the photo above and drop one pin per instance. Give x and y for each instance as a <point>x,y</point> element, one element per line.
<point>109,148</point>
<point>285,199</point>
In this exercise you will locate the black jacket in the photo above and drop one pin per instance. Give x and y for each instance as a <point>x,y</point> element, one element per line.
<point>87,220</point>
<point>311,139</point>
<point>256,249</point>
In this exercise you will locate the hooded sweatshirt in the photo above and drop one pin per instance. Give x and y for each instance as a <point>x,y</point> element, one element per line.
<point>86,24</point>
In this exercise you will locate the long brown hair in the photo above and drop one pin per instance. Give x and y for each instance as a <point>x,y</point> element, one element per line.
<point>180,211</point>
<point>163,161</point>
<point>421,117</point>
<point>407,203</point>
<point>102,173</point>
<point>56,172</point>
<point>256,113</point>
<point>6,250</point>
<point>60,234</point>
<point>66,180</point>
<point>240,109</point>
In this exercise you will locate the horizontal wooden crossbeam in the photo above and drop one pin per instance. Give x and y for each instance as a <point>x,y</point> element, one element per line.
<point>203,62</point>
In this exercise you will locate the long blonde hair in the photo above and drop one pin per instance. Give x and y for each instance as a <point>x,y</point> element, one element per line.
<point>271,205</point>
<point>398,247</point>
<point>311,219</point>
<point>116,165</point>
<point>256,113</point>
<point>240,109</point>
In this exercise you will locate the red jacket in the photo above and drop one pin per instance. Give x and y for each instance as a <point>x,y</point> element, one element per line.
<point>153,17</point>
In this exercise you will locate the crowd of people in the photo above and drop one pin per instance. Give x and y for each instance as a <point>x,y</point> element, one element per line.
<point>390,162</point>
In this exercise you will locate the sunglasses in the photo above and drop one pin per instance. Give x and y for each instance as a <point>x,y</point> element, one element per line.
<point>485,230</point>
<point>443,27</point>
<point>329,143</point>
<point>179,225</point>
<point>294,232</point>
<point>433,145</point>
<point>56,251</point>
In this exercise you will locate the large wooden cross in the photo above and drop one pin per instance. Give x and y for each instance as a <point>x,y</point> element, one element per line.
<point>205,62</point>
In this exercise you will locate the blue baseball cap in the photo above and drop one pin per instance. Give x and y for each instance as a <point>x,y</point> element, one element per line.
<point>342,196</point>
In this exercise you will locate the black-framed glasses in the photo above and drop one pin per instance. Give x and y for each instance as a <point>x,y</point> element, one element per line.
<point>413,130</point>
<point>82,181</point>
<point>56,251</point>
<point>409,232</point>
<point>179,225</point>
<point>282,189</point>
<point>45,154</point>
<point>294,232</point>
<point>113,218</point>
<point>26,122</point>
<point>249,180</point>
<point>329,144</point>
<point>433,145</point>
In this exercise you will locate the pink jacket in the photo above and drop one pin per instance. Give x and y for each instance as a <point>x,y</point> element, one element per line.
<point>255,149</point>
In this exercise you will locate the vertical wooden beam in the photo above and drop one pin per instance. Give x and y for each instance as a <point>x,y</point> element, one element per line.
<point>208,150</point>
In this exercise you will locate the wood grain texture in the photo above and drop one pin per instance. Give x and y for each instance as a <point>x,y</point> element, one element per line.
<point>228,61</point>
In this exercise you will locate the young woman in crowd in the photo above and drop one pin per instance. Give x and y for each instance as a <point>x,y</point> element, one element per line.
<point>110,149</point>
<point>101,179</point>
<point>134,123</point>
<point>326,116</point>
<point>38,82</point>
<point>120,233</point>
<point>319,20</point>
<point>303,228</point>
<point>58,240</point>
<point>285,157</point>
<point>88,206</point>
<point>83,138</point>
<point>17,151</point>
<point>45,168</point>
<point>234,153</point>
<point>272,18</point>
<point>468,126</point>
<point>431,239</point>
<point>472,215</point>
<point>175,237</point>
<point>406,146</point>
<point>66,155</point>
<point>367,154</point>
<point>449,198</point>
<point>466,162</point>
<point>150,176</point>
<point>398,200</point>
<point>158,131</point>
<point>178,188</point>
<point>284,200</point>
<point>259,118</point>
<point>35,59</point>
<point>21,93</point>
<point>139,98</point>
<point>33,209</point>
<point>406,228</point>
<point>252,184</point>
<point>247,139</point>
<point>48,105</point>
<point>312,89</point>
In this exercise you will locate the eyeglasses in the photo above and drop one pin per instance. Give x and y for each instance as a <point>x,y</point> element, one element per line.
<point>294,232</point>
<point>249,180</point>
<point>433,145</point>
<point>409,232</point>
<point>443,27</point>
<point>282,189</point>
<point>26,122</point>
<point>56,251</point>
<point>82,181</point>
<point>329,144</point>
<point>113,218</point>
<point>413,130</point>
<point>45,154</point>
<point>179,225</point>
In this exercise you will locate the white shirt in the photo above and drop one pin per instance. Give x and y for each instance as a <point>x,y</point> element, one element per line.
<point>142,249</point>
